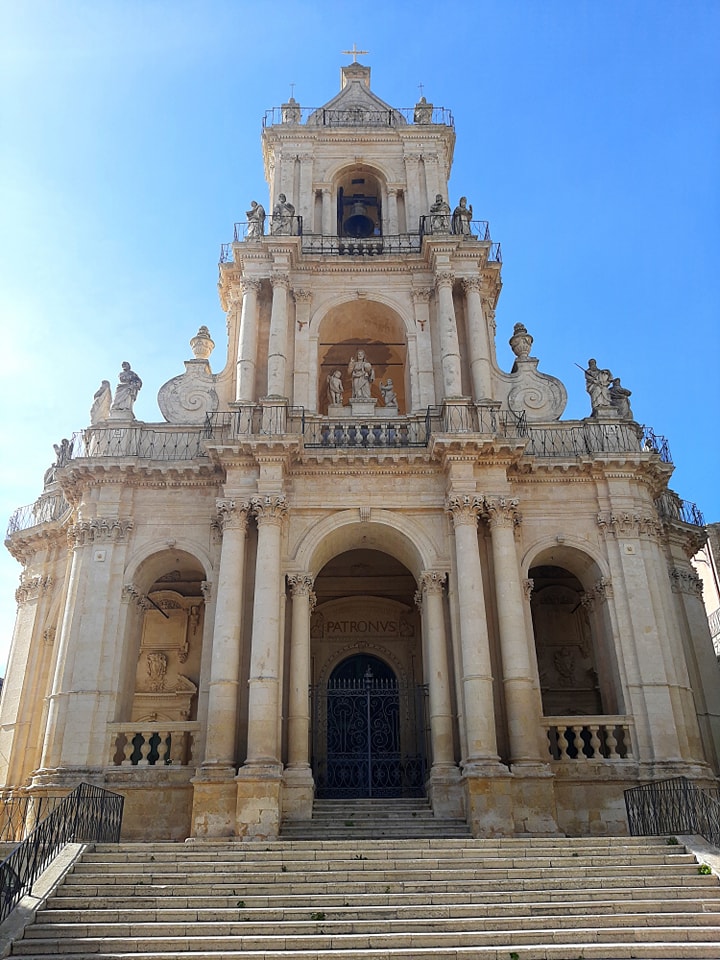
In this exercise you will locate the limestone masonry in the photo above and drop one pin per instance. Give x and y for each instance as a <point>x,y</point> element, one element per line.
<point>360,560</point>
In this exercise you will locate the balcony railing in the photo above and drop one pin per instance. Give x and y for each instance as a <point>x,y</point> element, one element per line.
<point>357,116</point>
<point>441,224</point>
<point>148,743</point>
<point>578,739</point>
<point>274,226</point>
<point>402,243</point>
<point>167,443</point>
<point>670,506</point>
<point>44,510</point>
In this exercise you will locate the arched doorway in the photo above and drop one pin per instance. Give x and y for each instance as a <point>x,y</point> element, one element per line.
<point>368,711</point>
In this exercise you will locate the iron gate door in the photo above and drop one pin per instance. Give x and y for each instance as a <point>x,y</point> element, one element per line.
<point>358,740</point>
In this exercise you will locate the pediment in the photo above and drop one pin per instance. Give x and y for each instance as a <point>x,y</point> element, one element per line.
<point>359,105</point>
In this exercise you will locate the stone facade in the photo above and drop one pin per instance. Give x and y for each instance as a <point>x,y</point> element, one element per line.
<point>360,559</point>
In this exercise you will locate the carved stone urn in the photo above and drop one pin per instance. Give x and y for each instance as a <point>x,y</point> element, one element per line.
<point>521,341</point>
<point>202,344</point>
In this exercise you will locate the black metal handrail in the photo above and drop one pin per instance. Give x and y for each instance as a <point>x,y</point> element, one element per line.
<point>279,225</point>
<point>89,814</point>
<point>358,116</point>
<point>442,224</point>
<point>390,244</point>
<point>673,806</point>
<point>655,443</point>
<point>19,814</point>
<point>672,507</point>
<point>43,510</point>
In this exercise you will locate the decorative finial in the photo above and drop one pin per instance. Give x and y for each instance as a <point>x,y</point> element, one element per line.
<point>354,53</point>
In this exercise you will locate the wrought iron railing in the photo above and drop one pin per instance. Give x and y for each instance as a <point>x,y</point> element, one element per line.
<point>588,738</point>
<point>20,813</point>
<point>152,743</point>
<point>655,443</point>
<point>673,806</point>
<point>475,418</point>
<point>88,814</point>
<point>669,505</point>
<point>43,510</point>
<point>583,439</point>
<point>317,244</point>
<point>358,116</point>
<point>714,623</point>
<point>274,226</point>
<point>432,224</point>
<point>146,443</point>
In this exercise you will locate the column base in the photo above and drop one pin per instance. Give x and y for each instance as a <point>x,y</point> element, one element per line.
<point>445,791</point>
<point>534,805</point>
<point>258,797</point>
<point>488,800</point>
<point>298,793</point>
<point>214,802</point>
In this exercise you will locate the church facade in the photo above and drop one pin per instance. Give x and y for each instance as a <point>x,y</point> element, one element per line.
<point>360,560</point>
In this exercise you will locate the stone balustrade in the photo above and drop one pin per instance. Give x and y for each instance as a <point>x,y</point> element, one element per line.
<point>148,743</point>
<point>576,739</point>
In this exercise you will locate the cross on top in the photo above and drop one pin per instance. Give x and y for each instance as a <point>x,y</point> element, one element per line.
<point>354,53</point>
<point>421,87</point>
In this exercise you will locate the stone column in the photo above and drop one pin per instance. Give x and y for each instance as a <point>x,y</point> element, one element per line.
<point>476,669</point>
<point>220,747</point>
<point>415,205</point>
<point>430,600</point>
<point>478,340</point>
<point>329,228</point>
<point>303,600</point>
<point>391,226</point>
<point>449,345</point>
<point>522,698</point>
<point>277,345</point>
<point>302,393</point>
<point>426,376</point>
<point>247,349</point>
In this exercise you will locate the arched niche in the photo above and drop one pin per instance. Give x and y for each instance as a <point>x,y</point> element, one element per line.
<point>377,329</point>
<point>359,194</point>
<point>573,635</point>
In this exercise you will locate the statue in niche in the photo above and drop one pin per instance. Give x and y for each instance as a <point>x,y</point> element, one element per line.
<point>256,221</point>
<point>619,397</point>
<point>335,387</point>
<point>157,664</point>
<point>462,215</point>
<point>597,384</point>
<point>362,374</point>
<point>127,390</point>
<point>282,217</point>
<point>440,215</point>
<point>388,393</point>
<point>521,341</point>
<point>100,409</point>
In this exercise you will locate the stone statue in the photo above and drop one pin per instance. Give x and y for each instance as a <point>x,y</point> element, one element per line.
<point>126,391</point>
<point>100,409</point>
<point>440,215</point>
<point>597,384</point>
<point>335,387</point>
<point>423,111</point>
<point>388,393</point>
<point>291,111</point>
<point>619,399</point>
<point>462,215</point>
<point>256,221</point>
<point>282,217</point>
<point>63,453</point>
<point>362,375</point>
<point>521,341</point>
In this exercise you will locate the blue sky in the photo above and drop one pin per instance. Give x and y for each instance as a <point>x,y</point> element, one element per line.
<point>587,133</point>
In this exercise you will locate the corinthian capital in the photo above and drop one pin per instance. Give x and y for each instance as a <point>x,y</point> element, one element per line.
<point>444,279</point>
<point>432,581</point>
<point>300,584</point>
<point>99,530</point>
<point>302,296</point>
<point>269,509</point>
<point>502,511</point>
<point>464,509</point>
<point>472,283</point>
<point>250,285</point>
<point>232,514</point>
<point>280,281</point>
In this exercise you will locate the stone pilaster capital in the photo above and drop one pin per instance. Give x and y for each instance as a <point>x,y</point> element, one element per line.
<point>422,295</point>
<point>392,191</point>
<point>234,297</point>
<point>626,524</point>
<point>464,509</point>
<point>31,588</point>
<point>232,514</point>
<point>300,585</point>
<point>206,590</point>
<point>528,586</point>
<point>250,285</point>
<point>472,283</point>
<point>131,593</point>
<point>98,530</point>
<point>686,581</point>
<point>444,279</point>
<point>502,511</point>
<point>280,281</point>
<point>270,508</point>
<point>432,581</point>
<point>302,296</point>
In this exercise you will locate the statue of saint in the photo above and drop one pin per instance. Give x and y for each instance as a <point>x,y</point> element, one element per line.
<point>440,215</point>
<point>597,384</point>
<point>127,390</point>
<point>462,215</point>
<point>282,217</point>
<point>423,111</point>
<point>102,400</point>
<point>619,399</point>
<point>255,220</point>
<point>362,375</point>
<point>63,452</point>
<point>335,387</point>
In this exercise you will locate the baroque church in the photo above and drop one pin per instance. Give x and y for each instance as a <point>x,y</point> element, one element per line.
<point>360,560</point>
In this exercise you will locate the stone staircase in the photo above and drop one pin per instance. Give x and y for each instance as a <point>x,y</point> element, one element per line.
<point>422,899</point>
<point>408,819</point>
